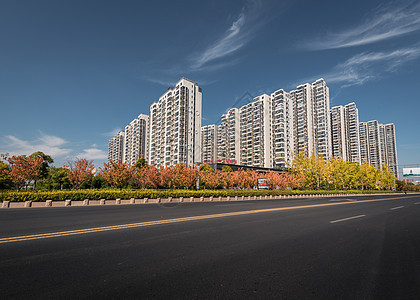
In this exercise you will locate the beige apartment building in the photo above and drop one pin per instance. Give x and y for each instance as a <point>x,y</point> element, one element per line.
<point>175,126</point>
<point>229,144</point>
<point>256,133</point>
<point>209,137</point>
<point>116,147</point>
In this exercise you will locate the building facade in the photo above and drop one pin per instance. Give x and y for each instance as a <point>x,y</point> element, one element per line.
<point>136,139</point>
<point>229,143</point>
<point>391,148</point>
<point>282,129</point>
<point>116,147</point>
<point>345,139</point>
<point>303,127</point>
<point>175,126</point>
<point>351,116</point>
<point>209,137</point>
<point>338,132</point>
<point>321,118</point>
<point>256,133</point>
<point>378,145</point>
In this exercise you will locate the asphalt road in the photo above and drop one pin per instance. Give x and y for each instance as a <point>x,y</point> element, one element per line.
<point>320,248</point>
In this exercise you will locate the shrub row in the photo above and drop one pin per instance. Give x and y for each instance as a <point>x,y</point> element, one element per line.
<point>152,194</point>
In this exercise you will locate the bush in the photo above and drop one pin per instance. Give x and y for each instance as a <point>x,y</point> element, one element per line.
<point>152,194</point>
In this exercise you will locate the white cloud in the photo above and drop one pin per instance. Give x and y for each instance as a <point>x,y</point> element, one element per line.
<point>387,22</point>
<point>210,59</point>
<point>239,34</point>
<point>232,40</point>
<point>93,153</point>
<point>112,133</point>
<point>365,66</point>
<point>49,144</point>
<point>368,66</point>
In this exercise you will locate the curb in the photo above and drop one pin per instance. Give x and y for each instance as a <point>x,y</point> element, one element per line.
<point>132,201</point>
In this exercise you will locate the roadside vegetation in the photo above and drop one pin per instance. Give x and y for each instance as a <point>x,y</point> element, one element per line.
<point>34,178</point>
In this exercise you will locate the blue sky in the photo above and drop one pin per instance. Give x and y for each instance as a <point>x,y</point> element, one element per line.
<point>72,73</point>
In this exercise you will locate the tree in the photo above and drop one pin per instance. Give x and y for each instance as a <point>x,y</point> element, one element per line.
<point>141,163</point>
<point>166,177</point>
<point>59,178</point>
<point>301,165</point>
<point>79,171</point>
<point>212,179</point>
<point>22,169</point>
<point>47,160</point>
<point>5,180</point>
<point>205,168</point>
<point>367,175</point>
<point>148,176</point>
<point>184,176</point>
<point>386,178</point>
<point>117,174</point>
<point>226,169</point>
<point>99,182</point>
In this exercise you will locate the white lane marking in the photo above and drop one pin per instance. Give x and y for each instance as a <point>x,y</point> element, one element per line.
<point>396,207</point>
<point>417,203</point>
<point>350,218</point>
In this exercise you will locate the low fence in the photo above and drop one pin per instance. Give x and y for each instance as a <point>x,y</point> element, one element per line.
<point>133,201</point>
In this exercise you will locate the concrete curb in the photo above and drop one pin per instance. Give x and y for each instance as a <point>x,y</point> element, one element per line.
<point>132,201</point>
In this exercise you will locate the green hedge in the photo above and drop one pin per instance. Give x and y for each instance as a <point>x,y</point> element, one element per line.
<point>152,194</point>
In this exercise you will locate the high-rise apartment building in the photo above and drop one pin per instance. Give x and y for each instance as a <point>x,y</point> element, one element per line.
<point>321,118</point>
<point>351,116</point>
<point>229,144</point>
<point>116,147</point>
<point>256,133</point>
<point>175,126</point>
<point>391,148</point>
<point>364,145</point>
<point>338,132</point>
<point>303,126</point>
<point>374,145</point>
<point>136,139</point>
<point>282,129</point>
<point>378,145</point>
<point>345,132</point>
<point>209,136</point>
<point>311,119</point>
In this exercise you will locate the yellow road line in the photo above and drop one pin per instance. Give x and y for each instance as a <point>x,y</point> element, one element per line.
<point>176,220</point>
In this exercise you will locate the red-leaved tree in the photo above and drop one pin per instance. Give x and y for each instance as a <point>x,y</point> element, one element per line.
<point>22,169</point>
<point>79,171</point>
<point>212,179</point>
<point>184,176</point>
<point>148,176</point>
<point>117,174</point>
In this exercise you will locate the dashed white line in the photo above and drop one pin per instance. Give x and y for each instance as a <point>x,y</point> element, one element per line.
<point>350,218</point>
<point>417,203</point>
<point>396,207</point>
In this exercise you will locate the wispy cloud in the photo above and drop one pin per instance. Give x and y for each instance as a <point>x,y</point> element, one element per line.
<point>238,35</point>
<point>49,144</point>
<point>93,153</point>
<point>232,40</point>
<point>215,56</point>
<point>368,66</point>
<point>112,133</point>
<point>387,22</point>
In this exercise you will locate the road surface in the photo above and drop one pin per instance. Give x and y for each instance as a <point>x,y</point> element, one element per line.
<point>364,247</point>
